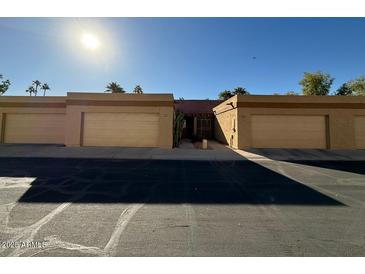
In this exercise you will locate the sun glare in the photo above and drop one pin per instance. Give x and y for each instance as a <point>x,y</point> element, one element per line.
<point>90,41</point>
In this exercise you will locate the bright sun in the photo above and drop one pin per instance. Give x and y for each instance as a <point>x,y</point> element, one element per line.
<point>90,41</point>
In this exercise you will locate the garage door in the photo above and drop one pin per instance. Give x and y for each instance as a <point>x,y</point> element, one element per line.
<point>121,129</point>
<point>284,131</point>
<point>360,131</point>
<point>34,128</point>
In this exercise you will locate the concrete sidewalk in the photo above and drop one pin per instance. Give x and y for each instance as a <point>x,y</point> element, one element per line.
<point>302,154</point>
<point>55,151</point>
<point>217,152</point>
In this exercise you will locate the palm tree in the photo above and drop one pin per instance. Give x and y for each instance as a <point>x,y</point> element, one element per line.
<point>224,95</point>
<point>138,89</point>
<point>31,90</point>
<point>114,87</point>
<point>36,84</point>
<point>241,91</point>
<point>45,87</point>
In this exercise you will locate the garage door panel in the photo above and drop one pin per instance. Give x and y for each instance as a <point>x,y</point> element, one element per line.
<point>281,131</point>
<point>34,128</point>
<point>359,124</point>
<point>121,129</point>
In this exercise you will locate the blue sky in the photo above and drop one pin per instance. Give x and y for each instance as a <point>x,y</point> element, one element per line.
<point>189,57</point>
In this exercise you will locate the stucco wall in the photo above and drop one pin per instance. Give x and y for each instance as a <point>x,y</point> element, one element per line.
<point>76,103</point>
<point>226,124</point>
<point>340,113</point>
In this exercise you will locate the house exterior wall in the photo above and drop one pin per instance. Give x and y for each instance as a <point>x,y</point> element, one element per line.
<point>360,131</point>
<point>340,113</point>
<point>226,123</point>
<point>75,104</point>
<point>232,117</point>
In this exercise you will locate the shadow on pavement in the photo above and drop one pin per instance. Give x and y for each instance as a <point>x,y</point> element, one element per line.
<point>357,167</point>
<point>315,157</point>
<point>157,181</point>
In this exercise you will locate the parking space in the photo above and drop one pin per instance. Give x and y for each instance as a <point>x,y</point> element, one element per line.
<point>106,207</point>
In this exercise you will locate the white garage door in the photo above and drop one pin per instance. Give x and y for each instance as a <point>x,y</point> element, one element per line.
<point>360,131</point>
<point>34,128</point>
<point>121,129</point>
<point>288,131</point>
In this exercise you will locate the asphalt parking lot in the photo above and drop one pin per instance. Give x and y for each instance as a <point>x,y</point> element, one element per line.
<point>113,207</point>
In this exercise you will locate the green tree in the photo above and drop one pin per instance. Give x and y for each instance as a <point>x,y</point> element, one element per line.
<point>114,87</point>
<point>226,94</point>
<point>292,93</point>
<point>344,90</point>
<point>4,85</point>
<point>31,90</point>
<point>138,89</point>
<point>316,83</point>
<point>45,88</point>
<point>241,91</point>
<point>36,84</point>
<point>358,85</point>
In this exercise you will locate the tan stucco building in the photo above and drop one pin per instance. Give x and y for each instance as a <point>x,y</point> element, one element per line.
<point>260,121</point>
<point>146,120</point>
<point>88,119</point>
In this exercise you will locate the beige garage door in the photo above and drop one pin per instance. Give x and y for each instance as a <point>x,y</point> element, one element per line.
<point>360,131</point>
<point>121,129</point>
<point>34,128</point>
<point>284,131</point>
